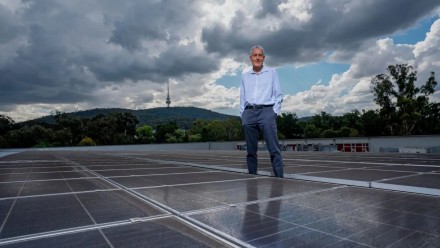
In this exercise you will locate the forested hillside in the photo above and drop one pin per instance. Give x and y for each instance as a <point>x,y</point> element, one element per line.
<point>182,116</point>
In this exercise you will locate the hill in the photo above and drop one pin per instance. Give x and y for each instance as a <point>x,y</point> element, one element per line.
<point>183,116</point>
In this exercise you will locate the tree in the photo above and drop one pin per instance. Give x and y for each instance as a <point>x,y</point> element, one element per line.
<point>125,124</point>
<point>30,136</point>
<point>352,120</point>
<point>371,123</point>
<point>431,119</point>
<point>325,121</point>
<point>69,130</point>
<point>198,126</point>
<point>178,136</point>
<point>3,142</point>
<point>112,129</point>
<point>311,131</point>
<point>214,131</point>
<point>289,126</point>
<point>6,124</point>
<point>346,132</point>
<point>233,129</point>
<point>431,111</point>
<point>164,129</point>
<point>329,133</point>
<point>101,130</point>
<point>145,134</point>
<point>401,104</point>
<point>63,137</point>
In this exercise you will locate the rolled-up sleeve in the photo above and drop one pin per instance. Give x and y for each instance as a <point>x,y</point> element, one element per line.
<point>242,98</point>
<point>277,93</point>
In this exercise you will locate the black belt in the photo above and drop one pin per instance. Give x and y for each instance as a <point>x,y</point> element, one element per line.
<point>258,106</point>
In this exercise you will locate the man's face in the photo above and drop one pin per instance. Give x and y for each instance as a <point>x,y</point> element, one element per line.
<point>257,57</point>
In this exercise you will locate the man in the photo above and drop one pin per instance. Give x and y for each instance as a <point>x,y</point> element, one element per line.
<point>260,103</point>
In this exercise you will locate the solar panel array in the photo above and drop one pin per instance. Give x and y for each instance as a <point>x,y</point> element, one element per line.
<point>206,199</point>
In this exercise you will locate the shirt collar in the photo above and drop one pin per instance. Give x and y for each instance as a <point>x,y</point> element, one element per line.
<point>264,69</point>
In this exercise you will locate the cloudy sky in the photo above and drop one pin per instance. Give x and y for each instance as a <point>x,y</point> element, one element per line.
<point>83,54</point>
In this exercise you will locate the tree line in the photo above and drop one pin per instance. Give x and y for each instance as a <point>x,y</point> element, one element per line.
<point>404,109</point>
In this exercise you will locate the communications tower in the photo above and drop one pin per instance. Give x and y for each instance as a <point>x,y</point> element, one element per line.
<point>168,95</point>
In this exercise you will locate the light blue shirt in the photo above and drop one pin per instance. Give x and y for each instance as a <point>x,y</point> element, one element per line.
<point>262,88</point>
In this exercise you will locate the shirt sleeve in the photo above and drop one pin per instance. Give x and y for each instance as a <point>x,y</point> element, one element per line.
<point>277,93</point>
<point>242,98</point>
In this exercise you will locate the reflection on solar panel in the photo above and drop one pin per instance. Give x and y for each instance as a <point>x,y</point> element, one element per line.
<point>205,199</point>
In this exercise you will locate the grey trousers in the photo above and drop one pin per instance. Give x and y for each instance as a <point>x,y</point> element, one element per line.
<point>254,121</point>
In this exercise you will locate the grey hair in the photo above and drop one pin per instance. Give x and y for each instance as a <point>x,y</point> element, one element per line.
<point>260,47</point>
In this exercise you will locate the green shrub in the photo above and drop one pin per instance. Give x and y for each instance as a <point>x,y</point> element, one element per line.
<point>43,144</point>
<point>87,141</point>
<point>195,138</point>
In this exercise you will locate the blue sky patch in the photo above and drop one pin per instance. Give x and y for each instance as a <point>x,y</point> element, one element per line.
<point>293,80</point>
<point>415,34</point>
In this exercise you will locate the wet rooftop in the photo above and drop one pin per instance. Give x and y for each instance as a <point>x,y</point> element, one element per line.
<point>206,199</point>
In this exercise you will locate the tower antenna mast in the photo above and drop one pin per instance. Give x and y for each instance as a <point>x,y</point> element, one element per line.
<point>168,95</point>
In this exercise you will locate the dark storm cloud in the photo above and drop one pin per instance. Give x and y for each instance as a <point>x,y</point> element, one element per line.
<point>269,7</point>
<point>43,69</point>
<point>9,30</point>
<point>154,21</point>
<point>333,25</point>
<point>58,51</point>
<point>370,19</point>
<point>168,22</point>
<point>175,61</point>
<point>70,49</point>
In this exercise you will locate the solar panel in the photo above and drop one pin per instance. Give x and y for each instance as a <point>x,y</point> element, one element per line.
<point>202,199</point>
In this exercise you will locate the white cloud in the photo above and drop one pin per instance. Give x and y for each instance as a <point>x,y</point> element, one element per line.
<point>352,89</point>
<point>68,55</point>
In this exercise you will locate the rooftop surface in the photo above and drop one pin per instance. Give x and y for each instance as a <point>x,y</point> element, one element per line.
<point>206,199</point>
